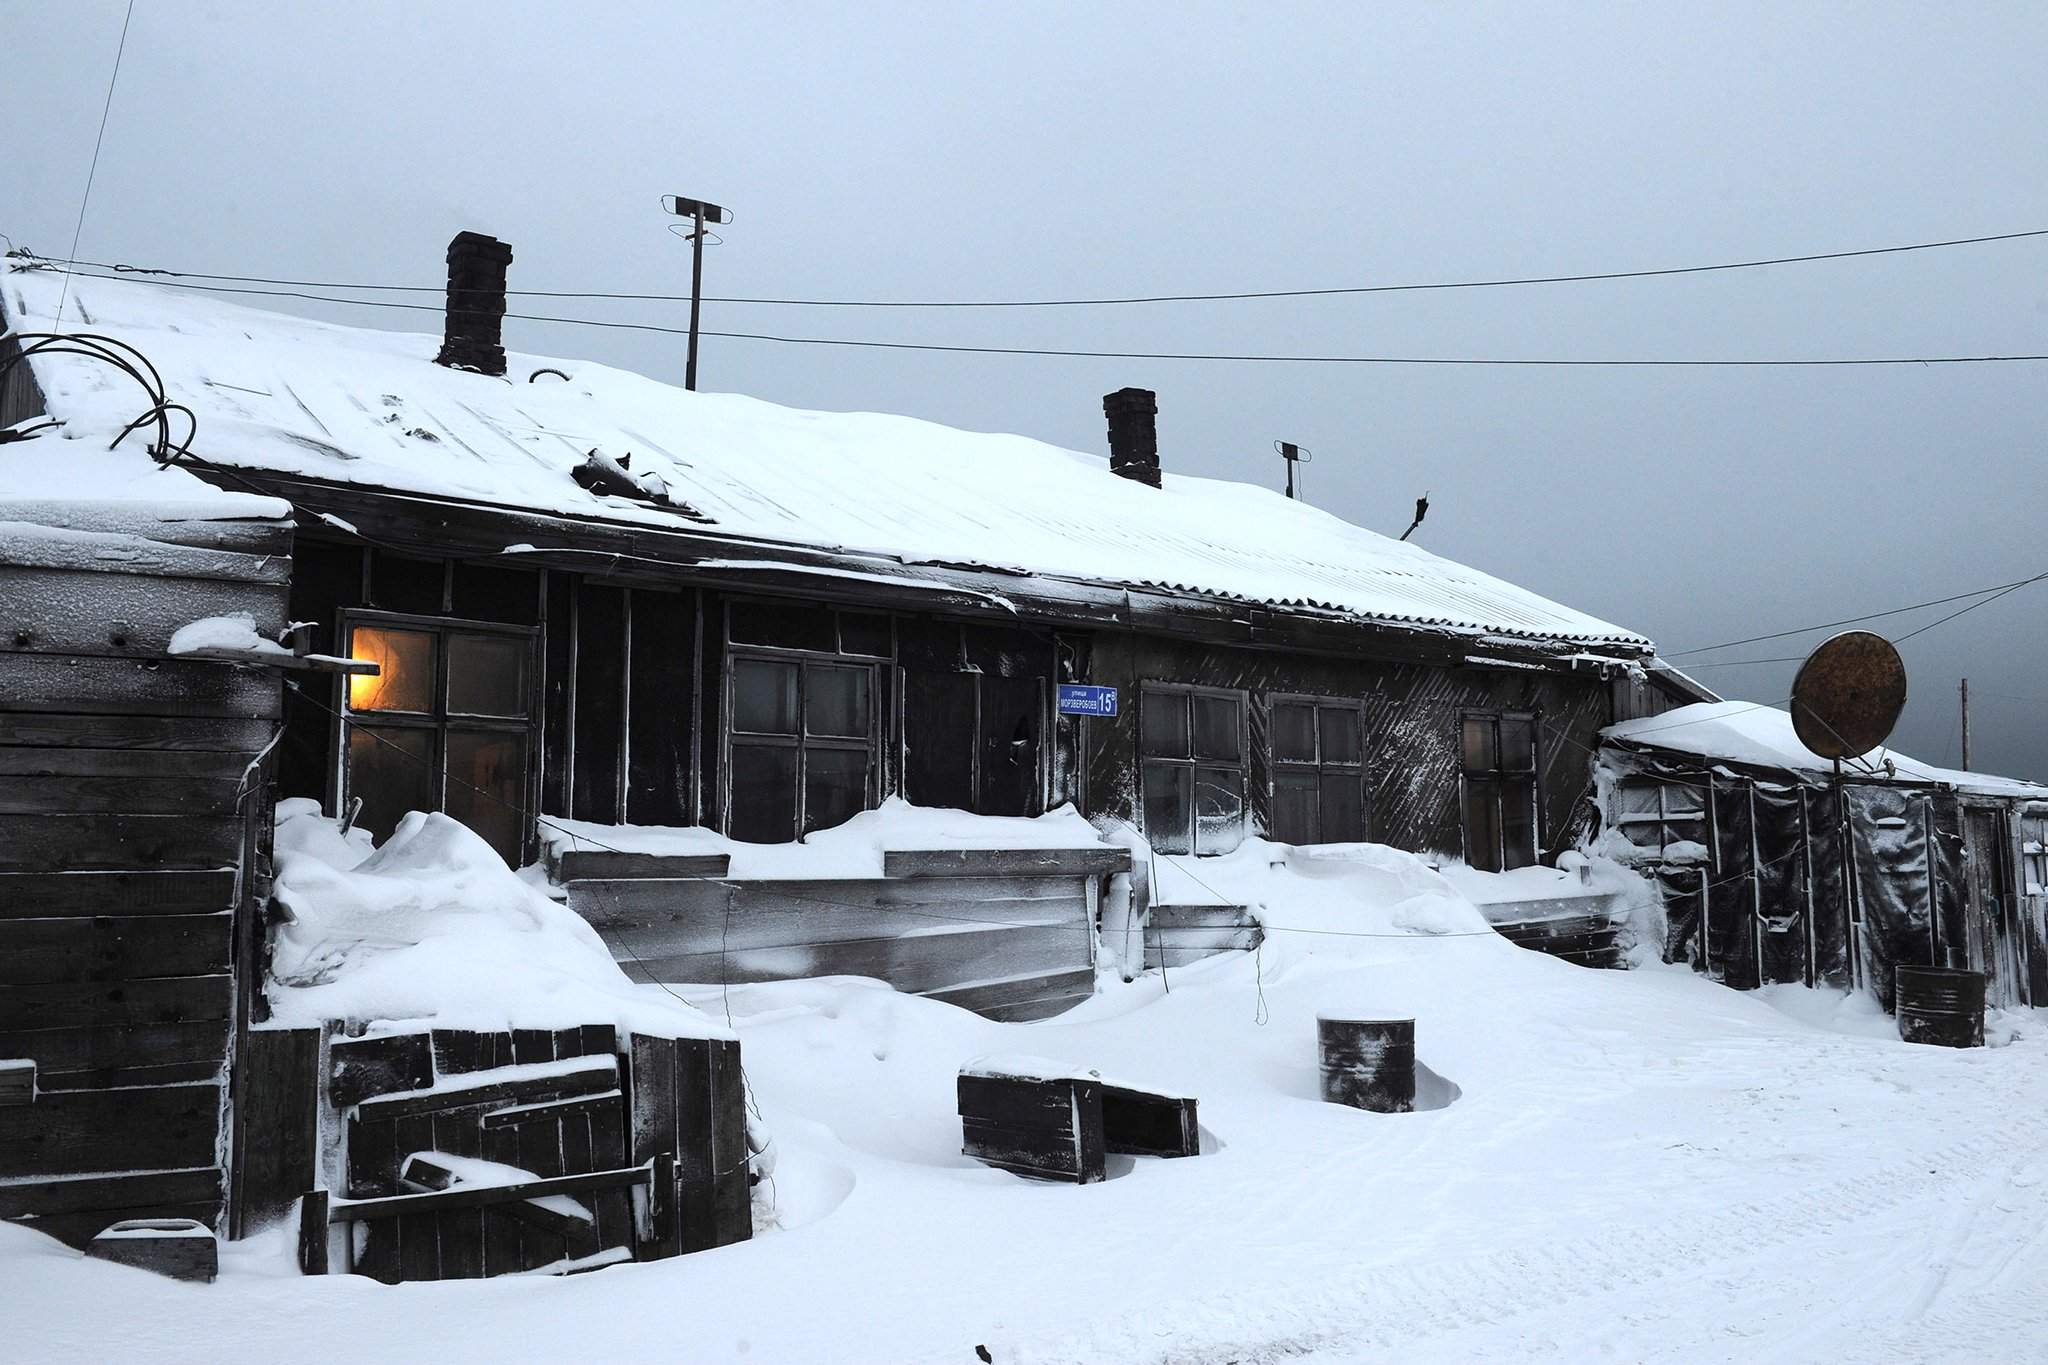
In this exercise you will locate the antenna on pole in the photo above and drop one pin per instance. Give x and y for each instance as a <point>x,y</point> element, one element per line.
<point>699,213</point>
<point>1294,455</point>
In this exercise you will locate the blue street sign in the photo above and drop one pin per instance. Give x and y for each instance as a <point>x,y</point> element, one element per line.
<point>1082,699</point>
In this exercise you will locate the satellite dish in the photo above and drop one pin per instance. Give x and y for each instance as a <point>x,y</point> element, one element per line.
<point>1848,695</point>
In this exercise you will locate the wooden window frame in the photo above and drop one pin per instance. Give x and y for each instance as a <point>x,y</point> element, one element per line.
<point>1501,777</point>
<point>440,720</point>
<point>872,744</point>
<point>1147,691</point>
<point>1275,764</point>
<point>1668,823</point>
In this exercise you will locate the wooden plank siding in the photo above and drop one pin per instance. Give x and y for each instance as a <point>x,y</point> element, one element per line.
<point>134,818</point>
<point>1411,751</point>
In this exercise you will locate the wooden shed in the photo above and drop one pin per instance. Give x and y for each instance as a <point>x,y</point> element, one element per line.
<point>1774,867</point>
<point>134,842</point>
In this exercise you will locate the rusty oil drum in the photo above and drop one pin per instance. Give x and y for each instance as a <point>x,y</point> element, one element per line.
<point>1368,1063</point>
<point>1939,1005</point>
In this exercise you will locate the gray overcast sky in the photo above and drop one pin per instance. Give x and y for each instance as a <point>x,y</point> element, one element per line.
<point>982,151</point>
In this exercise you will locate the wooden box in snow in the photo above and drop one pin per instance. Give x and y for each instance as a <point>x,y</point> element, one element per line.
<point>178,1247</point>
<point>1063,1127</point>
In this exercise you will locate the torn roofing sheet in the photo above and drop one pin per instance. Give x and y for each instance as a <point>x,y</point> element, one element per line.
<point>369,408</point>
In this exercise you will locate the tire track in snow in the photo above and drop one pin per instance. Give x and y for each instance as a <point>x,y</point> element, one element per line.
<point>1381,1309</point>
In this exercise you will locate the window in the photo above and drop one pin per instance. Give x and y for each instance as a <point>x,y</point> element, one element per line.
<point>446,724</point>
<point>1499,758</point>
<point>1666,822</point>
<point>801,745</point>
<point>2034,850</point>
<point>1192,742</point>
<point>1318,771</point>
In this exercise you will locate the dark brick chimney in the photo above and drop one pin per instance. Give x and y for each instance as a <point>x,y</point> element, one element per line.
<point>476,304</point>
<point>1133,434</point>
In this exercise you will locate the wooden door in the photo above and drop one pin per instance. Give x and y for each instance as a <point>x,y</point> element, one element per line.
<point>1988,919</point>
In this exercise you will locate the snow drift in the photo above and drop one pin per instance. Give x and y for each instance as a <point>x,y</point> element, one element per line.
<point>434,926</point>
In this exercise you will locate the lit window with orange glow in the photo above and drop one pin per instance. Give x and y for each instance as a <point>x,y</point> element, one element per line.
<point>404,680</point>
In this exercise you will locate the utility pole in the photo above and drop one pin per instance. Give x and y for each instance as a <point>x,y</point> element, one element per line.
<point>1294,455</point>
<point>1966,724</point>
<point>699,213</point>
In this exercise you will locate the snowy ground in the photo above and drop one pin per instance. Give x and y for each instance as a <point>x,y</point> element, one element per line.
<point>1639,1166</point>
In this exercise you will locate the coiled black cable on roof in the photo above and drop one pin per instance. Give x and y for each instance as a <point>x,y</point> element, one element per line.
<point>123,357</point>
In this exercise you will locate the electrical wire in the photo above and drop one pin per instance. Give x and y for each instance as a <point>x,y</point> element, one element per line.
<point>1538,362</point>
<point>1852,620</point>
<point>1964,611</point>
<point>1111,300</point>
<point>93,171</point>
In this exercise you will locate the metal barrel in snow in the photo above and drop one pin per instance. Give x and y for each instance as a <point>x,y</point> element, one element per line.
<point>1368,1063</point>
<point>1939,1005</point>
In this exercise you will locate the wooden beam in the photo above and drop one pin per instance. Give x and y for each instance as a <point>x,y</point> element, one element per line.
<point>118,731</point>
<point>84,1194</point>
<point>136,554</point>
<point>1005,862</point>
<point>49,611</point>
<point>483,1196</point>
<point>116,1004</point>
<point>112,947</point>
<point>276,1124</point>
<point>86,684</point>
<point>190,524</point>
<point>149,1128</point>
<point>589,1076</point>
<point>17,1081</point>
<point>313,1221</point>
<point>290,663</point>
<point>548,1111</point>
<point>583,865</point>
<point>36,895</point>
<point>115,842</point>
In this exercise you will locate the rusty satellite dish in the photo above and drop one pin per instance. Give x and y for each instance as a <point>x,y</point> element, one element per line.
<point>1848,695</point>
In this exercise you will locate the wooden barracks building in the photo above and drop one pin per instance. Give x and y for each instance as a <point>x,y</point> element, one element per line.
<point>597,598</point>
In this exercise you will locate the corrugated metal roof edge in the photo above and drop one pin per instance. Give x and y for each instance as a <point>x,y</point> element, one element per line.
<point>1631,649</point>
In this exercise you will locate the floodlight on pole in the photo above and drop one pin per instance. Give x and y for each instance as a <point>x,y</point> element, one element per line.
<point>699,213</point>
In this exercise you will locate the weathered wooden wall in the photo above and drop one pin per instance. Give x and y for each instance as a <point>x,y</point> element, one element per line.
<point>134,845</point>
<point>1411,731</point>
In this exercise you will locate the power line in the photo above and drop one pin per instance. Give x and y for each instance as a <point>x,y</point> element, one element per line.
<point>1451,361</point>
<point>1999,589</point>
<point>1114,300</point>
<point>92,172</point>
<point>1964,610</point>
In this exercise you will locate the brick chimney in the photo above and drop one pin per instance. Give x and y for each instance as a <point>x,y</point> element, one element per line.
<point>1133,434</point>
<point>476,304</point>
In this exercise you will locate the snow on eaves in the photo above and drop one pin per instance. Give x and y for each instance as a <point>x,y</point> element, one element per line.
<point>368,408</point>
<point>1762,736</point>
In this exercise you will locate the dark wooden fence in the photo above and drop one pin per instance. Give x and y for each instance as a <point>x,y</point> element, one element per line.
<point>632,1152</point>
<point>134,828</point>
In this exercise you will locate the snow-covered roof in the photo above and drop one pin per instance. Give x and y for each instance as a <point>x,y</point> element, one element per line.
<point>1762,736</point>
<point>363,407</point>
